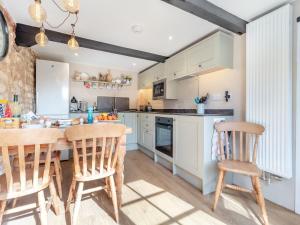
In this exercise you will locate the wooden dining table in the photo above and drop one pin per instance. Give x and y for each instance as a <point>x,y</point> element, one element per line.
<point>63,144</point>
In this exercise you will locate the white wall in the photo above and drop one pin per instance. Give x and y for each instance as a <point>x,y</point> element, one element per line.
<point>215,83</point>
<point>297,103</point>
<point>84,94</point>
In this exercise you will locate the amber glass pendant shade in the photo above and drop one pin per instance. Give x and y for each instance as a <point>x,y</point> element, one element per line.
<point>73,43</point>
<point>37,12</point>
<point>71,5</point>
<point>41,38</point>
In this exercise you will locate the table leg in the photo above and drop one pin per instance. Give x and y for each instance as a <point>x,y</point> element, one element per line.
<point>119,177</point>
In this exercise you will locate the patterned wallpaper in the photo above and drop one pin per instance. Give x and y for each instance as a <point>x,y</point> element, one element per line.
<point>17,71</point>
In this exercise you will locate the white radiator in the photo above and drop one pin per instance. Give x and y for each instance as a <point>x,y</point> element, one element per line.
<point>269,87</point>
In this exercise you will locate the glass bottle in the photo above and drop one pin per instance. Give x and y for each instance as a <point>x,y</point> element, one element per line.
<point>16,107</point>
<point>90,115</point>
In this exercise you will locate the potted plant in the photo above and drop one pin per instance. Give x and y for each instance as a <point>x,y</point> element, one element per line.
<point>200,102</point>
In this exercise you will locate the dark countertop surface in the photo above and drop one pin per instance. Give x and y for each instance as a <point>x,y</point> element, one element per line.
<point>188,112</point>
<point>185,112</point>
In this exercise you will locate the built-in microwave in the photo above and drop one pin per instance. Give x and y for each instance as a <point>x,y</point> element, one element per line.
<point>159,89</point>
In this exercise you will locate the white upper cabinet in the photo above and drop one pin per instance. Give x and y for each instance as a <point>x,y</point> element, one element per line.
<point>146,78</point>
<point>158,72</point>
<point>175,67</point>
<point>211,54</point>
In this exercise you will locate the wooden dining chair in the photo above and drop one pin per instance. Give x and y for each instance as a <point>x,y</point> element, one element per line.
<point>95,152</point>
<point>241,160</point>
<point>23,181</point>
<point>55,163</point>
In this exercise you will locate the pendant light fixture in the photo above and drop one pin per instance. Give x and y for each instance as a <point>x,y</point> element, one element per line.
<point>73,43</point>
<point>37,12</point>
<point>71,5</point>
<point>41,38</point>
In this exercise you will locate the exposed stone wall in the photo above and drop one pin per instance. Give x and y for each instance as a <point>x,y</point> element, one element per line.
<point>17,70</point>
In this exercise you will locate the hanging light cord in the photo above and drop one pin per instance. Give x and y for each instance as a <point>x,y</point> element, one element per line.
<point>59,25</point>
<point>74,24</point>
<point>65,19</point>
<point>58,6</point>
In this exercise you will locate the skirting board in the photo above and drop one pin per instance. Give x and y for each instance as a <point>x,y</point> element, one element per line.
<point>130,147</point>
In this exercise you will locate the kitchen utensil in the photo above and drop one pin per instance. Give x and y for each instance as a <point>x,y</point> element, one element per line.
<point>74,104</point>
<point>83,105</point>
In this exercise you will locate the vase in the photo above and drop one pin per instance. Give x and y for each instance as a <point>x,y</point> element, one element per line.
<point>200,108</point>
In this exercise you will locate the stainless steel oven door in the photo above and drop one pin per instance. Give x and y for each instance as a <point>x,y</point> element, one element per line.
<point>164,135</point>
<point>159,89</point>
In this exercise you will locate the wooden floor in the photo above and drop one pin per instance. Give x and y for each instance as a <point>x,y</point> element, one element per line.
<point>152,196</point>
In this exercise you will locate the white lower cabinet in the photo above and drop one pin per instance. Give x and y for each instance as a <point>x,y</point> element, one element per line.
<point>130,120</point>
<point>189,143</point>
<point>146,131</point>
<point>148,137</point>
<point>192,142</point>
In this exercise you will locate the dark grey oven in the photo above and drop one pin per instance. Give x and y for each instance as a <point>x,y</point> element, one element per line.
<point>164,135</point>
<point>159,89</point>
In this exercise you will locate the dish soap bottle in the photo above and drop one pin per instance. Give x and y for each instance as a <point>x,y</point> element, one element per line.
<point>90,115</point>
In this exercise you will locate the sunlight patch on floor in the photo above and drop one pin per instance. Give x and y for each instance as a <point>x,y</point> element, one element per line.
<point>129,195</point>
<point>200,217</point>
<point>170,204</point>
<point>231,204</point>
<point>142,212</point>
<point>144,188</point>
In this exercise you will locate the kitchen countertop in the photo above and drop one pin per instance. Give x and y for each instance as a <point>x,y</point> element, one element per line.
<point>188,112</point>
<point>185,112</point>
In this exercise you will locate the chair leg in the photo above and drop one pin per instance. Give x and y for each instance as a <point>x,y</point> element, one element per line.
<point>254,189</point>
<point>59,164</point>
<point>14,203</point>
<point>261,201</point>
<point>108,191</point>
<point>2,209</point>
<point>55,199</point>
<point>218,188</point>
<point>77,202</point>
<point>42,206</point>
<point>71,194</point>
<point>114,197</point>
<point>58,177</point>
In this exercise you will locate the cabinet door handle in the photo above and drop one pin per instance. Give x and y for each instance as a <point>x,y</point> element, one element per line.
<point>174,74</point>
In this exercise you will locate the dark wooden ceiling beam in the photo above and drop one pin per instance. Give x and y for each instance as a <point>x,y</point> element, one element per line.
<point>212,13</point>
<point>25,35</point>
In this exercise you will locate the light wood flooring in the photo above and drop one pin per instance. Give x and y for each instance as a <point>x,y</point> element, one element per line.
<point>153,196</point>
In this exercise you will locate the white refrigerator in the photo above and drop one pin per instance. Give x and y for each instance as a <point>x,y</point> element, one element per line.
<point>52,92</point>
<point>52,89</point>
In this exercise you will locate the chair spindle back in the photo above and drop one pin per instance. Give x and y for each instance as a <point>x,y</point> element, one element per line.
<point>244,133</point>
<point>19,143</point>
<point>95,147</point>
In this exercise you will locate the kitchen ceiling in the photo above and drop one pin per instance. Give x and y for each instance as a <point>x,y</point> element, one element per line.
<point>165,28</point>
<point>60,52</point>
<point>248,9</point>
<point>111,21</point>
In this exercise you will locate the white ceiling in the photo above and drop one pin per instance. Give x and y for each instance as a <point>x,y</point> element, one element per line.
<point>248,9</point>
<point>60,52</point>
<point>110,21</point>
